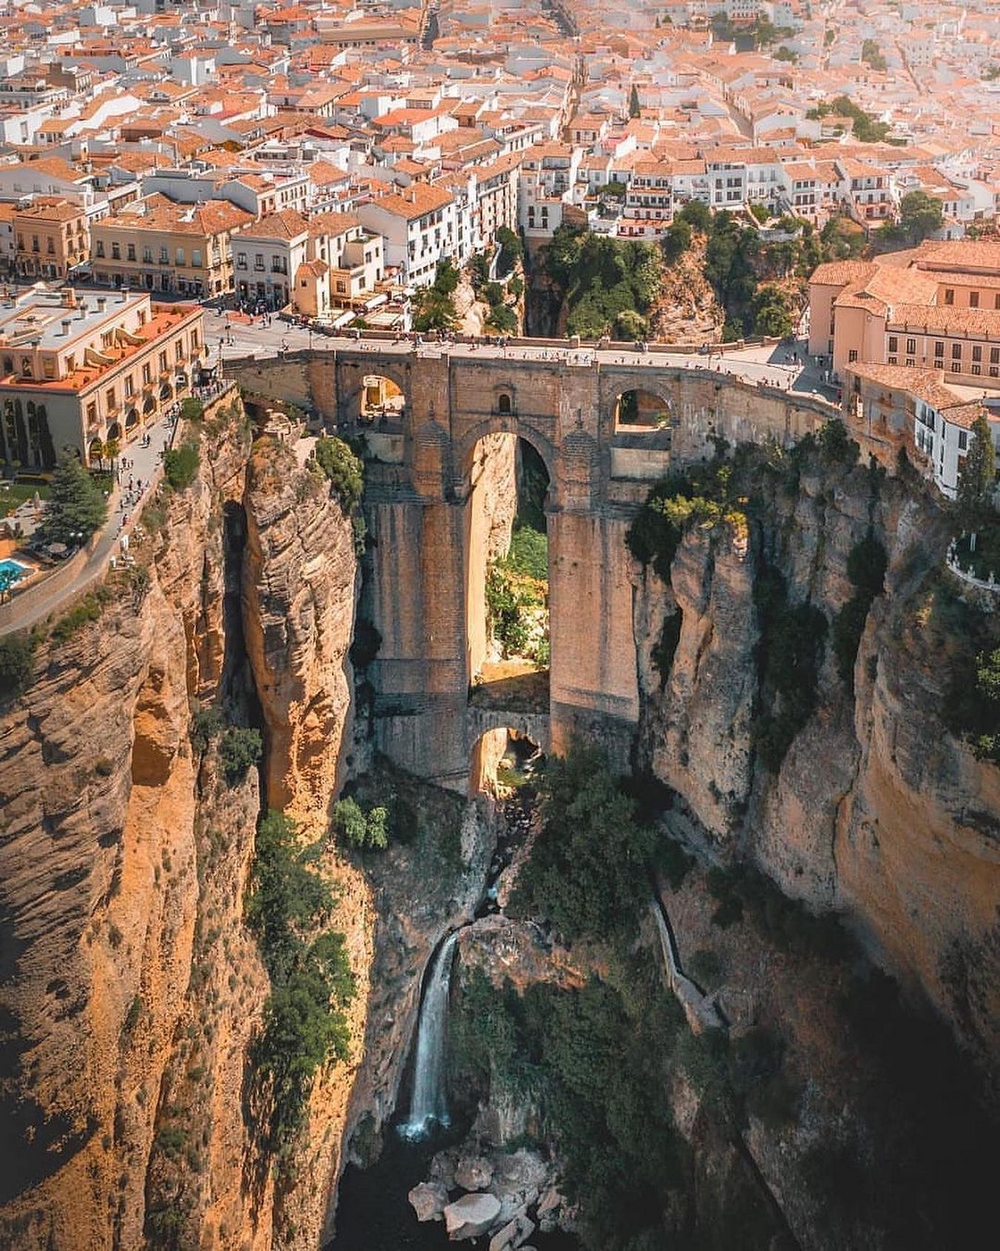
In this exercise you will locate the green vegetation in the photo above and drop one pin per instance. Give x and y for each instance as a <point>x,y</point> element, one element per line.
<point>743,892</point>
<point>603,279</point>
<point>239,748</point>
<point>192,409</point>
<point>344,471</point>
<point>207,723</point>
<point>529,553</point>
<point>873,57</point>
<point>588,867</point>
<point>865,129</point>
<point>89,608</point>
<point>506,609</point>
<point>676,241</point>
<point>595,1061</point>
<point>180,465</point>
<point>842,239</point>
<point>311,978</point>
<point>17,664</point>
<point>703,498</point>
<point>789,655</point>
<point>362,831</point>
<point>866,566</point>
<point>511,250</point>
<point>920,215</point>
<point>434,306</point>
<point>76,506</point>
<point>986,699</point>
<point>974,509</point>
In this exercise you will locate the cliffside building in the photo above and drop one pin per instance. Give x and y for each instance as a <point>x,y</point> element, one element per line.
<point>73,371</point>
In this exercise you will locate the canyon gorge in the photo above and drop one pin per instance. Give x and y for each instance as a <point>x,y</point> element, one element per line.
<point>815,822</point>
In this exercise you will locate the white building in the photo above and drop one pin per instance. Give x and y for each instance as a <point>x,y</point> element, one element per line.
<point>419,224</point>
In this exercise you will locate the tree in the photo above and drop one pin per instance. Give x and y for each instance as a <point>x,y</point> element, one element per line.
<point>511,250</point>
<point>97,451</point>
<point>350,824</point>
<point>76,507</point>
<point>112,448</point>
<point>871,55</point>
<point>976,479</point>
<point>697,214</point>
<point>634,107</point>
<point>16,664</point>
<point>180,464</point>
<point>920,216</point>
<point>676,240</point>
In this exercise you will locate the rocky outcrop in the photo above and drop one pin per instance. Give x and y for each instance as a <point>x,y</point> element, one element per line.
<point>876,809</point>
<point>131,989</point>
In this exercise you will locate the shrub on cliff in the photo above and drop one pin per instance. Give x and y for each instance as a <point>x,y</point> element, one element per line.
<point>180,464</point>
<point>311,978</point>
<point>363,831</point>
<point>17,654</point>
<point>239,749</point>
<point>343,469</point>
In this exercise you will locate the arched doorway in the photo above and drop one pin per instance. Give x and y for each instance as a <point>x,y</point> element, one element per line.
<point>503,761</point>
<point>507,565</point>
<point>639,411</point>
<point>381,400</point>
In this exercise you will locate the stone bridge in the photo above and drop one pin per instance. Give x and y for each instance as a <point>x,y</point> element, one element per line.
<point>425,593</point>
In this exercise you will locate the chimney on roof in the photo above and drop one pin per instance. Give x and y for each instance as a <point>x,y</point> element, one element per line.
<point>102,303</point>
<point>124,295</point>
<point>66,323</point>
<point>68,297</point>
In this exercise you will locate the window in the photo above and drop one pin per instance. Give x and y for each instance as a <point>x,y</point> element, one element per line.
<point>977,369</point>
<point>973,299</point>
<point>503,404</point>
<point>939,348</point>
<point>179,349</point>
<point>180,256</point>
<point>956,367</point>
<point>130,249</point>
<point>258,261</point>
<point>977,353</point>
<point>91,414</point>
<point>49,367</point>
<point>963,440</point>
<point>910,362</point>
<point>26,366</point>
<point>995,356</point>
<point>852,355</point>
<point>949,295</point>
<point>147,254</point>
<point>893,343</point>
<point>116,252</point>
<point>996,300</point>
<point>129,387</point>
<point>109,398</point>
<point>163,363</point>
<point>893,360</point>
<point>34,243</point>
<point>241,260</point>
<point>196,257</point>
<point>164,255</point>
<point>194,340</point>
<point>100,247</point>
<point>911,346</point>
<point>147,373</point>
<point>956,351</point>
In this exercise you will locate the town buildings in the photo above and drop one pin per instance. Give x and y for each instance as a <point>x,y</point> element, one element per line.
<point>78,370</point>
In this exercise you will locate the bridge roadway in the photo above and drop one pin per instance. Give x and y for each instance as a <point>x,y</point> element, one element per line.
<point>764,364</point>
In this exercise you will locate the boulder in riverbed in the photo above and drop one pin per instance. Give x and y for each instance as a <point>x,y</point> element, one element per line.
<point>471,1216</point>
<point>428,1200</point>
<point>473,1173</point>
<point>513,1235</point>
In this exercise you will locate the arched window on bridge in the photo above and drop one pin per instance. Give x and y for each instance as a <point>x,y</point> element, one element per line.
<point>504,404</point>
<point>641,410</point>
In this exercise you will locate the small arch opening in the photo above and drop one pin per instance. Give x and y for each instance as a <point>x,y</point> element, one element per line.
<point>505,762</point>
<point>381,399</point>
<point>504,404</point>
<point>641,411</point>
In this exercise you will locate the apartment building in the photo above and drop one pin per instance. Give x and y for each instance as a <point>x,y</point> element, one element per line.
<point>941,312</point>
<point>159,246</point>
<point>345,262</point>
<point>267,256</point>
<point>419,224</point>
<point>649,200</point>
<point>76,370</point>
<point>51,237</point>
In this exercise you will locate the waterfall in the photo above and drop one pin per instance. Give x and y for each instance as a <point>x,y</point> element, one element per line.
<point>428,1103</point>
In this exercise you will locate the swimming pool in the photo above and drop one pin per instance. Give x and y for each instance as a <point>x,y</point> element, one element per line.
<point>15,568</point>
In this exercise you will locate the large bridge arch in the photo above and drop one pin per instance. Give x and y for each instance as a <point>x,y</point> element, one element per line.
<point>349,384</point>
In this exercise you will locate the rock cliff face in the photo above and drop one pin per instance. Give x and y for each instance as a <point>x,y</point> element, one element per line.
<point>876,809</point>
<point>131,988</point>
